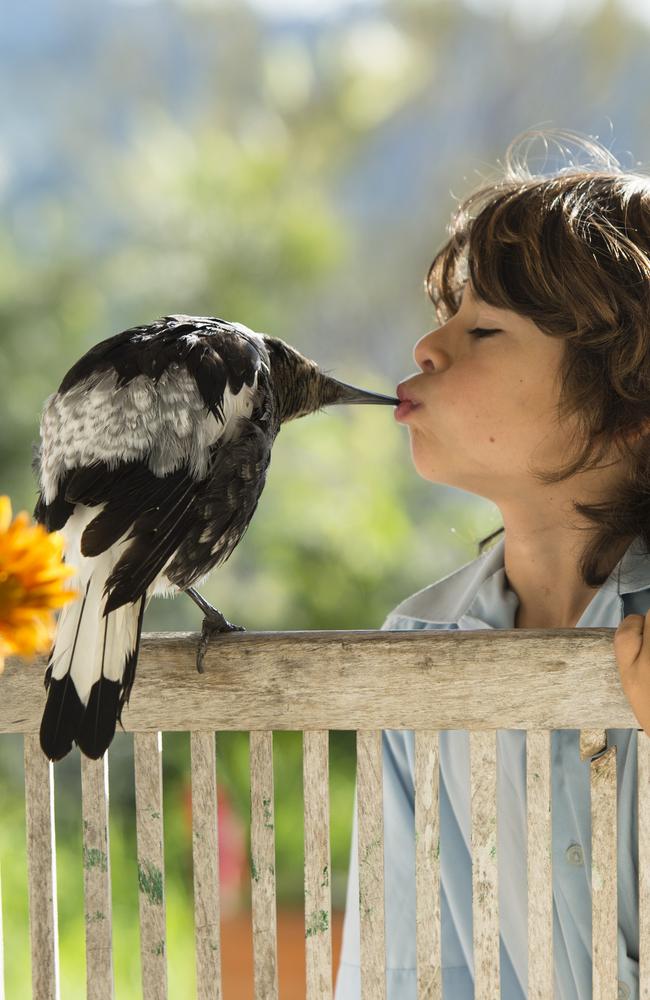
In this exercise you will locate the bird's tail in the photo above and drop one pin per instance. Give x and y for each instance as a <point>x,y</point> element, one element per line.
<point>90,670</point>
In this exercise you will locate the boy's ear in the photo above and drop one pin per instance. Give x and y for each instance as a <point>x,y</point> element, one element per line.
<point>638,433</point>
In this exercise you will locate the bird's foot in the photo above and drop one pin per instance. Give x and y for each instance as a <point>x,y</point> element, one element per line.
<point>213,622</point>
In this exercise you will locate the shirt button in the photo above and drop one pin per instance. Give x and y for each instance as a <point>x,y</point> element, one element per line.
<point>623,991</point>
<point>574,854</point>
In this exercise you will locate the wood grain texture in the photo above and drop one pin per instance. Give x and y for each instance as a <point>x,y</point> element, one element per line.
<point>485,883</point>
<point>147,758</point>
<point>41,871</point>
<point>205,855</point>
<point>370,825</point>
<point>427,866</point>
<point>317,866</point>
<point>592,741</point>
<point>97,878</point>
<point>604,902</point>
<point>264,916</point>
<point>540,865</point>
<point>490,678</point>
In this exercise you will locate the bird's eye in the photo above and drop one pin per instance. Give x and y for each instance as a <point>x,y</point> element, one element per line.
<point>479,332</point>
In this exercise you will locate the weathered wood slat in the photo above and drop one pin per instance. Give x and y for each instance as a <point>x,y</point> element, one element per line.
<point>147,757</point>
<point>41,869</point>
<point>265,947</point>
<point>370,821</point>
<point>318,895</point>
<point>592,741</point>
<point>427,866</point>
<point>540,865</point>
<point>97,879</point>
<point>485,882</point>
<point>343,680</point>
<point>643,803</point>
<point>604,902</point>
<point>205,853</point>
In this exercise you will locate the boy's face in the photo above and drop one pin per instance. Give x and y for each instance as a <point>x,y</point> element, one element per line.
<point>488,404</point>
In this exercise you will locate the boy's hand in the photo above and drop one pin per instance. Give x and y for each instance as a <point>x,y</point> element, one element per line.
<point>632,651</point>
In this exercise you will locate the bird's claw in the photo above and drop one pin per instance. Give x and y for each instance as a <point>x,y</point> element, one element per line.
<point>210,626</point>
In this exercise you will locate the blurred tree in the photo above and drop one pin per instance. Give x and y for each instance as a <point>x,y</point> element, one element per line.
<point>197,172</point>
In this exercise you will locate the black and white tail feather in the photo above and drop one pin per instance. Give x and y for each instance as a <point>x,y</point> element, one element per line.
<point>91,667</point>
<point>152,457</point>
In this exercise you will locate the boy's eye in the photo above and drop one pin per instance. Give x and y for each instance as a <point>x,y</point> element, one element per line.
<point>479,332</point>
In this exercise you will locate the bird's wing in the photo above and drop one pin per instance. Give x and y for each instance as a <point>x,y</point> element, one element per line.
<point>134,428</point>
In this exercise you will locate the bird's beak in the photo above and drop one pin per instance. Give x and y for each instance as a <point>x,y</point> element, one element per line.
<point>345,393</point>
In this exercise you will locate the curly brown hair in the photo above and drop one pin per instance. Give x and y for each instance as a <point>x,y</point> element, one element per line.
<point>570,250</point>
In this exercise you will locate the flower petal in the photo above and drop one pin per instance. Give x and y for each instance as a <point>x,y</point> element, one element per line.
<point>5,513</point>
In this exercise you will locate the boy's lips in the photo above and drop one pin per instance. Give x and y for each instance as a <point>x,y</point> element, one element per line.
<point>404,394</point>
<point>407,403</point>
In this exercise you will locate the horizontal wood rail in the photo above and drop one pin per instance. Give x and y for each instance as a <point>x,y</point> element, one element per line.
<point>374,679</point>
<point>355,680</point>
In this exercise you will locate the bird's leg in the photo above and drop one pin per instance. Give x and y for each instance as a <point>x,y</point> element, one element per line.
<point>214,621</point>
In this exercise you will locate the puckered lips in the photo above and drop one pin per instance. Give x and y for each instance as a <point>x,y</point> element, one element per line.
<point>407,403</point>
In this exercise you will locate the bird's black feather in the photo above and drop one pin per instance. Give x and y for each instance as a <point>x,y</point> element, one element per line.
<point>97,726</point>
<point>61,718</point>
<point>224,506</point>
<point>54,515</point>
<point>215,352</point>
<point>177,524</point>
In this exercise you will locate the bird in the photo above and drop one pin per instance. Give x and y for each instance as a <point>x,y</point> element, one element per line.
<point>151,459</point>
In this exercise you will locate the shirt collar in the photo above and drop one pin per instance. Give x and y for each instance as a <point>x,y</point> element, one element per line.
<point>478,595</point>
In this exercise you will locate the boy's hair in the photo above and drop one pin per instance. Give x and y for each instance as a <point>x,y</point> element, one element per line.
<point>571,251</point>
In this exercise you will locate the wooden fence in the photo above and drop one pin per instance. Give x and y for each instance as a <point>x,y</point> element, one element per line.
<point>354,680</point>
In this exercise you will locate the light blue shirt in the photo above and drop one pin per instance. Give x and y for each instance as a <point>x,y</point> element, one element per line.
<point>477,596</point>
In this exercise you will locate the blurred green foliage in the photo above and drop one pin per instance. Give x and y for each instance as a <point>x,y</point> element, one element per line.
<point>214,219</point>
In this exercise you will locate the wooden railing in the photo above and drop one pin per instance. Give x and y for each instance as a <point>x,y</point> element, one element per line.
<point>366,681</point>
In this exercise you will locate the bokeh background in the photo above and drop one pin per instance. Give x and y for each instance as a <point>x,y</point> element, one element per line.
<point>292,165</point>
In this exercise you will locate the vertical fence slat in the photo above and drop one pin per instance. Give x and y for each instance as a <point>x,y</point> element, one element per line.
<point>370,816</point>
<point>41,867</point>
<point>643,803</point>
<point>205,853</point>
<point>427,865</point>
<point>485,883</point>
<point>265,948</point>
<point>97,878</point>
<point>592,741</point>
<point>539,832</point>
<point>147,755</point>
<point>318,895</point>
<point>604,876</point>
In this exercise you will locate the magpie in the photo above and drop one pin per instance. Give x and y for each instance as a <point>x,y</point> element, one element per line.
<point>152,456</point>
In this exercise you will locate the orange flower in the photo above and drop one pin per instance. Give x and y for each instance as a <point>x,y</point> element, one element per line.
<point>32,584</point>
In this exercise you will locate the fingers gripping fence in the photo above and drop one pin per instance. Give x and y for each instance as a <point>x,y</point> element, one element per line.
<point>367,681</point>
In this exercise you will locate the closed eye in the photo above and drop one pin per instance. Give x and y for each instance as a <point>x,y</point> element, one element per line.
<point>480,332</point>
